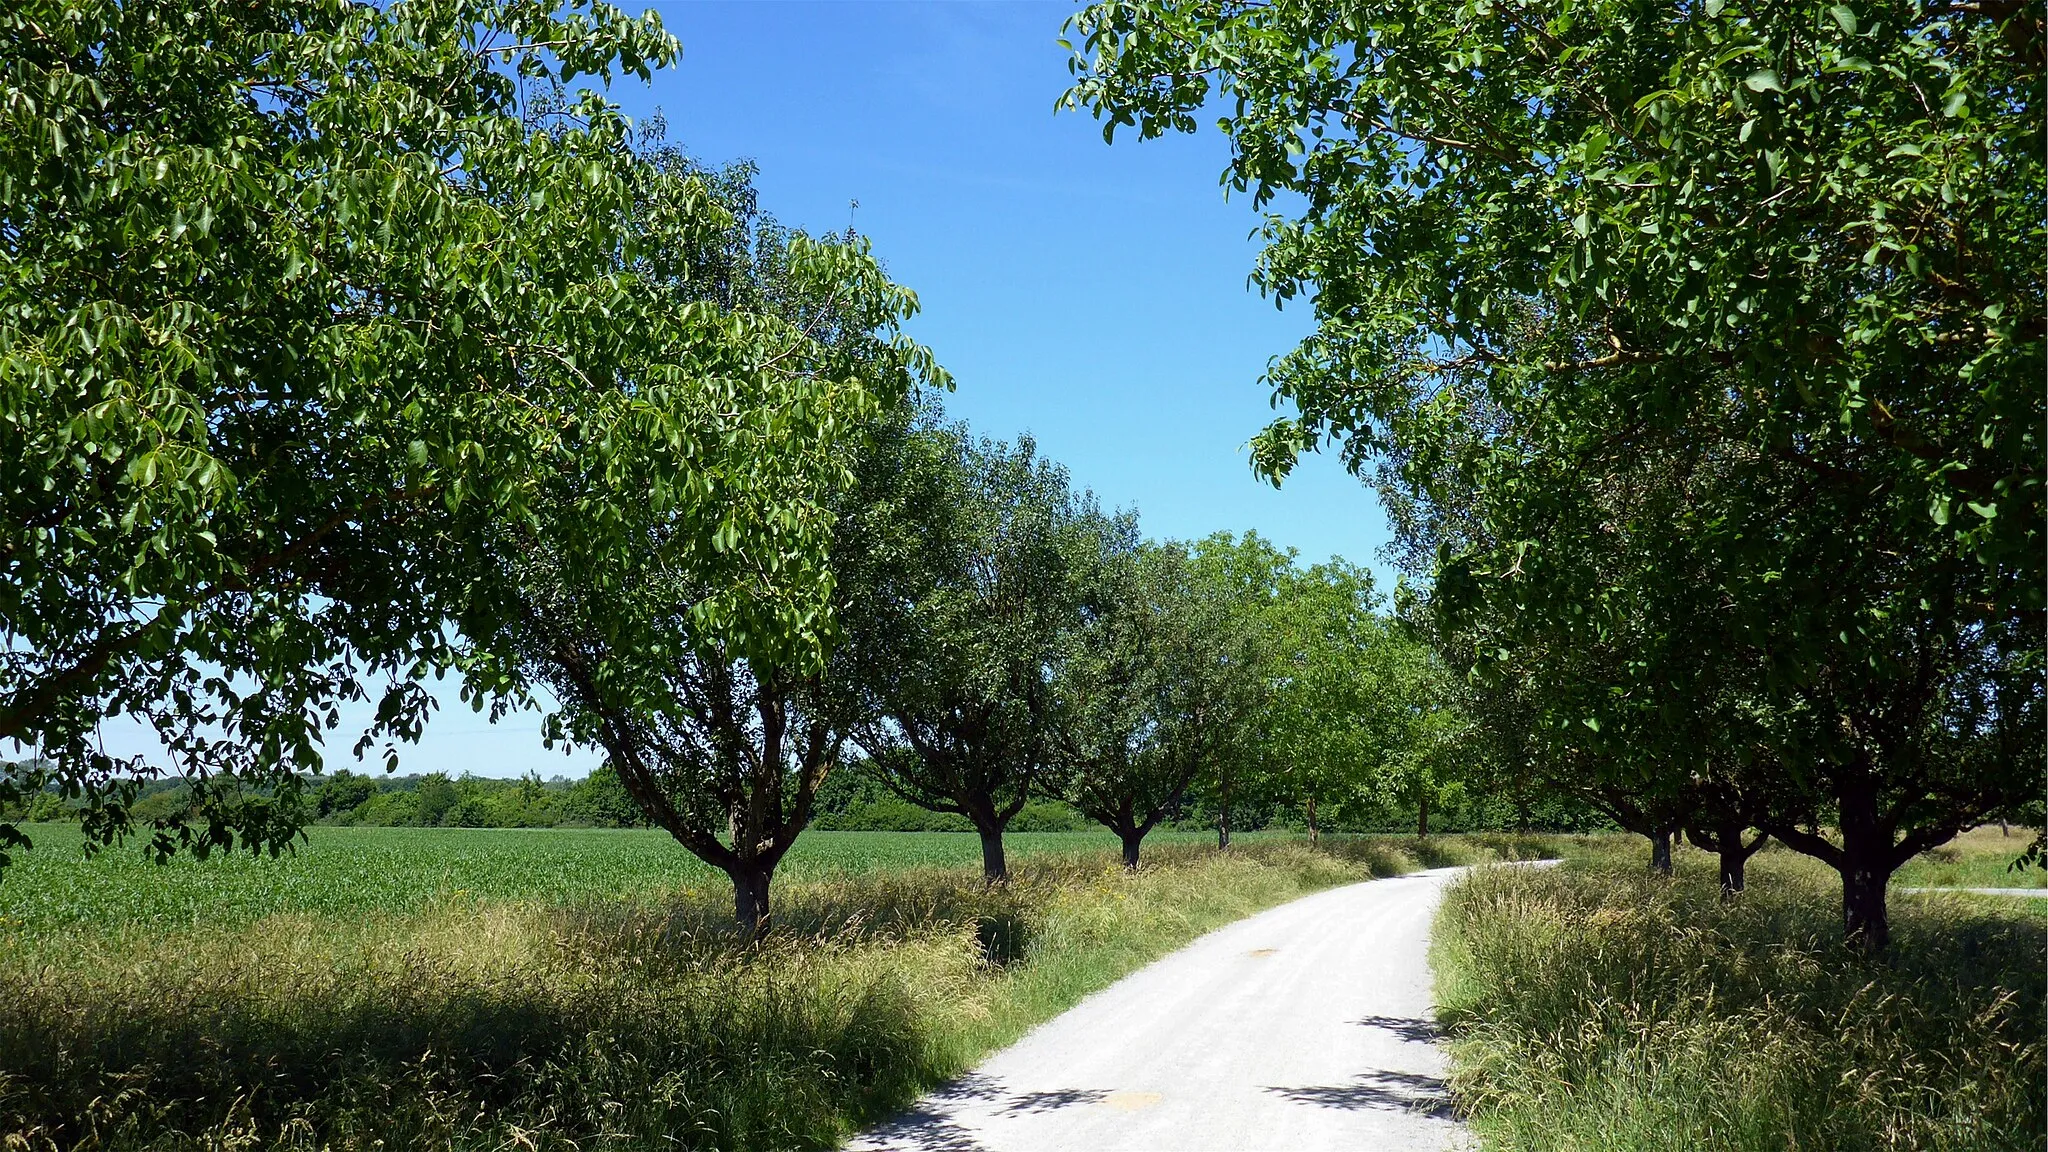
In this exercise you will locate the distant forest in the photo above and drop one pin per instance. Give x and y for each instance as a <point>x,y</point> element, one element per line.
<point>851,800</point>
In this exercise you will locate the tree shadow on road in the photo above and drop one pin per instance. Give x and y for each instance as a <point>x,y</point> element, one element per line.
<point>1406,1027</point>
<point>1387,1091</point>
<point>929,1126</point>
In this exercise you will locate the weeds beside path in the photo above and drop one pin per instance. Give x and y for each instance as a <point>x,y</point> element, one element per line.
<point>620,1023</point>
<point>1594,1007</point>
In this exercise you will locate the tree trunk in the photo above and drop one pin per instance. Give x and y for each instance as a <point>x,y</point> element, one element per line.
<point>1660,851</point>
<point>1865,920</point>
<point>1866,871</point>
<point>1223,819</point>
<point>994,868</point>
<point>1313,835</point>
<point>1734,859</point>
<point>750,896</point>
<point>1733,862</point>
<point>1131,840</point>
<point>1422,818</point>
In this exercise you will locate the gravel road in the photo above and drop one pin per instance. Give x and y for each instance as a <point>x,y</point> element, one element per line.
<point>1308,1026</point>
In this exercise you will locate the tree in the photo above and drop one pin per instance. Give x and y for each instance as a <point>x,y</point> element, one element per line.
<point>1834,209</point>
<point>1251,573</point>
<point>1772,257</point>
<point>1156,688</point>
<point>299,319</point>
<point>343,792</point>
<point>1331,722</point>
<point>601,799</point>
<point>957,702</point>
<point>718,721</point>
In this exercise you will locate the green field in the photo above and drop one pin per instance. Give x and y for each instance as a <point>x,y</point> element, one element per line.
<point>339,871</point>
<point>1980,858</point>
<point>563,989</point>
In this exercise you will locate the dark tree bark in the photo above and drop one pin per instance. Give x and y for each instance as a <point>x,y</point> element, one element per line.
<point>744,740</point>
<point>750,896</point>
<point>1725,840</point>
<point>960,759</point>
<point>1866,871</point>
<point>1223,816</point>
<point>995,868</point>
<point>1313,833</point>
<point>1660,851</point>
<point>1131,842</point>
<point>1871,849</point>
<point>1422,819</point>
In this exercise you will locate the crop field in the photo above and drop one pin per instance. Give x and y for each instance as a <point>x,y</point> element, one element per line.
<point>339,871</point>
<point>475,989</point>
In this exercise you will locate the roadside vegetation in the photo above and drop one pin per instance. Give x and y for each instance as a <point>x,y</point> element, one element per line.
<point>620,1009</point>
<point>1599,1007</point>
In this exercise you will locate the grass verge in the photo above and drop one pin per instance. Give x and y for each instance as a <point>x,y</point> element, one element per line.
<point>1594,1007</point>
<point>1979,858</point>
<point>618,1023</point>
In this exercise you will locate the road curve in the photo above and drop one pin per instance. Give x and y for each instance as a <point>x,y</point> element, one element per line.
<point>1307,1026</point>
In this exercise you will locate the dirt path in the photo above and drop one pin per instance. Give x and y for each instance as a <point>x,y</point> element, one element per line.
<point>1305,1027</point>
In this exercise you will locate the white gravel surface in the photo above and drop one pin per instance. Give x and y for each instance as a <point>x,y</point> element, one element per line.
<point>1308,1026</point>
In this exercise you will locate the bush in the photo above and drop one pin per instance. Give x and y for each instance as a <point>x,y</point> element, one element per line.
<point>890,814</point>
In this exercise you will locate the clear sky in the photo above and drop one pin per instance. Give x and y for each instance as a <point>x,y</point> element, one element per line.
<point>1094,296</point>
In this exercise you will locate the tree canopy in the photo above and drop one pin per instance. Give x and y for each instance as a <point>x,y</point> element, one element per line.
<point>1656,325</point>
<point>304,305</point>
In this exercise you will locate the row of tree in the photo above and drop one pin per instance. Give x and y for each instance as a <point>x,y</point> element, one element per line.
<point>1697,351</point>
<point>342,347</point>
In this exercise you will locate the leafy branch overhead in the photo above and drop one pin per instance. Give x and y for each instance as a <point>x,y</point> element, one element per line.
<point>1829,214</point>
<point>304,313</point>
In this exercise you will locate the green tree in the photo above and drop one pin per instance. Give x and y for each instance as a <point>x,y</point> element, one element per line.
<point>1254,573</point>
<point>1780,259</point>
<point>957,698</point>
<point>437,797</point>
<point>343,793</point>
<point>1332,722</point>
<point>601,799</point>
<point>298,318</point>
<point>1157,687</point>
<point>720,722</point>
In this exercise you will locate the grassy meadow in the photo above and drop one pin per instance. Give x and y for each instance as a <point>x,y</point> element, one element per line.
<point>348,871</point>
<point>1596,1008</point>
<point>1979,858</point>
<point>404,988</point>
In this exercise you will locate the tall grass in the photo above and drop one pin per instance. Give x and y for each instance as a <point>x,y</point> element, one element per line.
<point>1980,858</point>
<point>1595,1007</point>
<point>597,1023</point>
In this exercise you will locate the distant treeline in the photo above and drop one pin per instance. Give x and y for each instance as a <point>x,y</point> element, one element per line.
<point>850,800</point>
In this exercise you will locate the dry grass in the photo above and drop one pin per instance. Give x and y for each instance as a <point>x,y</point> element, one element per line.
<point>1594,1007</point>
<point>628,1023</point>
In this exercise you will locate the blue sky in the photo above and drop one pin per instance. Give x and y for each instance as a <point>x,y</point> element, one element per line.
<point>1094,296</point>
